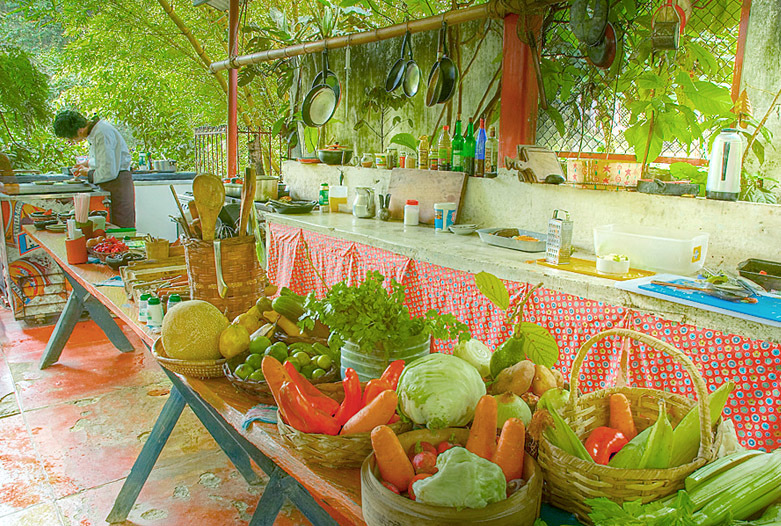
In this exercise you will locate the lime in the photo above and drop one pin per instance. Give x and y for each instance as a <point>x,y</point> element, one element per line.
<point>317,373</point>
<point>323,361</point>
<point>257,376</point>
<point>243,371</point>
<point>307,370</point>
<point>254,360</point>
<point>302,358</point>
<point>277,351</point>
<point>507,354</point>
<point>295,364</point>
<point>259,344</point>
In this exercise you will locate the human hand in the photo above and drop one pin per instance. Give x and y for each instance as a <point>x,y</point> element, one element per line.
<point>80,170</point>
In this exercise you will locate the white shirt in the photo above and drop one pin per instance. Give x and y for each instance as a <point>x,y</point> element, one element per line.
<point>108,152</point>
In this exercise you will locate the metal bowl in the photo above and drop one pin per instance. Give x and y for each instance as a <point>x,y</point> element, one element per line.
<point>335,156</point>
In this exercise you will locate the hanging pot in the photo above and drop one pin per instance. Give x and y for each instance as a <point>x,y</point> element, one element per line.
<point>396,73</point>
<point>443,75</point>
<point>604,53</point>
<point>330,78</point>
<point>411,82</point>
<point>321,101</point>
<point>588,20</point>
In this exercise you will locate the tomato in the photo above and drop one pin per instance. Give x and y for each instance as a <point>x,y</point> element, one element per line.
<point>444,446</point>
<point>420,447</point>
<point>391,487</point>
<point>416,478</point>
<point>425,462</point>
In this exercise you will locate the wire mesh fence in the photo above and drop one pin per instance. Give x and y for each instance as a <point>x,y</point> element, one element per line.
<point>594,115</point>
<point>211,151</point>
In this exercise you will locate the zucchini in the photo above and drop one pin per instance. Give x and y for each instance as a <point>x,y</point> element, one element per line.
<point>288,307</point>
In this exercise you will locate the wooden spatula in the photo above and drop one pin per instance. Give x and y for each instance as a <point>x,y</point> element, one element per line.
<point>209,197</point>
<point>247,201</point>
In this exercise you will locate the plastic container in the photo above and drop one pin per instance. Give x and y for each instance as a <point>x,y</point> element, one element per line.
<point>173,299</point>
<point>411,212</point>
<point>372,365</point>
<point>154,313</point>
<point>444,216</point>
<point>143,307</point>
<point>610,265</point>
<point>650,248</point>
<point>337,195</point>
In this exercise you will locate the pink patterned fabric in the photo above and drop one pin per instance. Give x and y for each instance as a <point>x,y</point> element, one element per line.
<point>753,365</point>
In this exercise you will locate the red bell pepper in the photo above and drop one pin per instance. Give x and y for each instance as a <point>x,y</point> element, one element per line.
<point>310,392</point>
<point>315,421</point>
<point>604,442</point>
<point>392,373</point>
<point>373,390</point>
<point>289,411</point>
<point>352,397</point>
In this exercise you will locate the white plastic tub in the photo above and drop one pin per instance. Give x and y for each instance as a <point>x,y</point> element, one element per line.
<point>650,248</point>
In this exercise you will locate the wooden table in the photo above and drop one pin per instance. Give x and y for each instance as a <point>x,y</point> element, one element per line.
<point>325,496</point>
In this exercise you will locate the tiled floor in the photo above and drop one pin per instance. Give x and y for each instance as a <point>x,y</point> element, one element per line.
<point>70,433</point>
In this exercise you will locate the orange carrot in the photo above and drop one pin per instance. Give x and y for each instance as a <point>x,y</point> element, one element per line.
<point>377,413</point>
<point>509,453</point>
<point>482,435</point>
<point>391,458</point>
<point>621,416</point>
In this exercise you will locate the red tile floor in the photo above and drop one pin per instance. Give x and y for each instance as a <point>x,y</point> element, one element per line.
<point>70,433</point>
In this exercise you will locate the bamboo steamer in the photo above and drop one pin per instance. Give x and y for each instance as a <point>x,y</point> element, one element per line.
<point>382,507</point>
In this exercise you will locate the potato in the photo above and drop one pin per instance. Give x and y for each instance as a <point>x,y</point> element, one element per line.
<point>543,380</point>
<point>516,379</point>
<point>559,378</point>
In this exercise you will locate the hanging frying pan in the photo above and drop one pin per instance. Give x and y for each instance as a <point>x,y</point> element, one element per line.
<point>604,53</point>
<point>411,82</point>
<point>396,73</point>
<point>588,20</point>
<point>321,101</point>
<point>443,75</point>
<point>330,78</point>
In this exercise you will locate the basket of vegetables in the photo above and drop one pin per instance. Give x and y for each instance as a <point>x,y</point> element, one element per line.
<point>625,443</point>
<point>323,430</point>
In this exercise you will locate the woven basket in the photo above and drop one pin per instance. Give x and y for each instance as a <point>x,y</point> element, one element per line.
<point>196,369</point>
<point>570,480</point>
<point>240,270</point>
<point>340,451</point>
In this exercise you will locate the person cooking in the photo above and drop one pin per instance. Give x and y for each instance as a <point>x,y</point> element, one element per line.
<point>109,162</point>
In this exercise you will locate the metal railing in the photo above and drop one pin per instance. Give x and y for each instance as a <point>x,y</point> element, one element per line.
<point>211,151</point>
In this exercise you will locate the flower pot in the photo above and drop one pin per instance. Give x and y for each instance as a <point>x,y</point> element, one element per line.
<point>371,364</point>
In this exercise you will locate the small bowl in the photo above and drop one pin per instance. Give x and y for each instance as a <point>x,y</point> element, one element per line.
<point>114,262</point>
<point>463,230</point>
<point>41,224</point>
<point>608,265</point>
<point>57,227</point>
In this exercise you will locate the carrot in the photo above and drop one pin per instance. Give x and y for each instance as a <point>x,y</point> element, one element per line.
<point>482,435</point>
<point>377,413</point>
<point>391,458</point>
<point>509,453</point>
<point>621,416</point>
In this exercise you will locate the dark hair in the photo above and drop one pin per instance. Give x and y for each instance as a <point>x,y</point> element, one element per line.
<point>67,124</point>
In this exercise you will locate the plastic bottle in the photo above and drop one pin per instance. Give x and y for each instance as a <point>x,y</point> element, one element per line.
<point>154,313</point>
<point>445,149</point>
<point>411,212</point>
<point>469,149</point>
<point>480,150</point>
<point>323,200</point>
<point>143,307</point>
<point>492,152</point>
<point>457,159</point>
<point>433,157</point>
<point>173,300</point>
<point>423,153</point>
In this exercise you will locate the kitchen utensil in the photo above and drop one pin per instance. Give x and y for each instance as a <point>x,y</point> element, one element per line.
<point>184,224</point>
<point>527,36</point>
<point>463,230</point>
<point>588,20</point>
<point>603,53</point>
<point>558,247</point>
<point>247,202</point>
<point>396,73</point>
<point>266,188</point>
<point>725,165</point>
<point>335,154</point>
<point>330,78</point>
<point>534,164</point>
<point>364,202</point>
<point>589,268</point>
<point>655,186</point>
<point>209,195</point>
<point>711,290</point>
<point>443,75</point>
<point>411,81</point>
<point>504,237</point>
<point>320,103</point>
<point>667,25</point>
<point>427,188</point>
<point>384,213</point>
<point>764,273</point>
<point>222,287</point>
<point>164,165</point>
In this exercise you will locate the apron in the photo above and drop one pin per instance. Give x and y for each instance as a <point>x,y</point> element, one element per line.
<point>123,199</point>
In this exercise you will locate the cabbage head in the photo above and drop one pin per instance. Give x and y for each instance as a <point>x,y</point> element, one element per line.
<point>440,390</point>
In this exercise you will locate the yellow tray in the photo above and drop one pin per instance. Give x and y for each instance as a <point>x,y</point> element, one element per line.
<point>589,268</point>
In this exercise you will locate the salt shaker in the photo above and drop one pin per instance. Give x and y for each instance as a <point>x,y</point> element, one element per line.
<point>154,313</point>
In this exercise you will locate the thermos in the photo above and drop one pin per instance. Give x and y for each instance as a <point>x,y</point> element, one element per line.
<point>725,165</point>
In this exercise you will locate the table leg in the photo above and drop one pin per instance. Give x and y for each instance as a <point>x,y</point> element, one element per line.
<point>271,501</point>
<point>63,329</point>
<point>148,457</point>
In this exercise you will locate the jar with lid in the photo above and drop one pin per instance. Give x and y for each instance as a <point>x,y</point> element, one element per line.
<point>173,300</point>
<point>143,307</point>
<point>323,200</point>
<point>154,313</point>
<point>411,212</point>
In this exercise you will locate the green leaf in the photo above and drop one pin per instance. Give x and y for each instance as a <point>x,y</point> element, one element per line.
<point>492,288</point>
<point>759,150</point>
<point>707,61</point>
<point>405,139</point>
<point>311,138</point>
<point>538,344</point>
<point>557,119</point>
<point>684,171</point>
<point>650,80</point>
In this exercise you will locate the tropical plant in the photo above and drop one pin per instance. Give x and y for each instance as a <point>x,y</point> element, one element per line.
<point>380,102</point>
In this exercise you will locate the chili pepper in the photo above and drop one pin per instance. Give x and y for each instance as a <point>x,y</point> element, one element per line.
<point>373,390</point>
<point>392,373</point>
<point>352,397</point>
<point>315,421</point>
<point>604,442</point>
<point>289,410</point>
<point>310,392</point>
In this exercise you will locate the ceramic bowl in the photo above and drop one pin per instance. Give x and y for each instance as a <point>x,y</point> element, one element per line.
<point>608,265</point>
<point>463,230</point>
<point>58,227</point>
<point>41,224</point>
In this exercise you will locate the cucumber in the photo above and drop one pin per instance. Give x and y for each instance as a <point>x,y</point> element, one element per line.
<point>288,307</point>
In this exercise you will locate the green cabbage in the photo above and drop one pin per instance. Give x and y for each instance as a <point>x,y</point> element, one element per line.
<point>463,480</point>
<point>440,390</point>
<point>477,353</point>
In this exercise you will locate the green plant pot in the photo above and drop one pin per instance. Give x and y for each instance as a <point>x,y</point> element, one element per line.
<point>372,365</point>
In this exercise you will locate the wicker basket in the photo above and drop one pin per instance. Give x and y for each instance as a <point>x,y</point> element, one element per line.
<point>570,480</point>
<point>196,369</point>
<point>240,270</point>
<point>340,451</point>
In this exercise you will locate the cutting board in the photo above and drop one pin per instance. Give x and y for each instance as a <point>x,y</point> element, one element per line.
<point>589,268</point>
<point>767,310</point>
<point>536,163</point>
<point>428,187</point>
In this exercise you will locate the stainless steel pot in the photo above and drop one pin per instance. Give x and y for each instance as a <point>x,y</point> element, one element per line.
<point>266,187</point>
<point>164,165</point>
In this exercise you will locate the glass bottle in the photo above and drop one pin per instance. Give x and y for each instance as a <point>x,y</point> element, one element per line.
<point>492,152</point>
<point>469,149</point>
<point>445,148</point>
<point>480,150</point>
<point>457,159</point>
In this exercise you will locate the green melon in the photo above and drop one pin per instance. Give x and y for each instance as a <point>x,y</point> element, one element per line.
<point>191,331</point>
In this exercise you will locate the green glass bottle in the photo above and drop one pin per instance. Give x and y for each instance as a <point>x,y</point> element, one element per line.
<point>457,161</point>
<point>469,149</point>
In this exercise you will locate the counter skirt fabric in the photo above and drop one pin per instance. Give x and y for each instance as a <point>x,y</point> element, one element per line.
<point>753,365</point>
<point>123,199</point>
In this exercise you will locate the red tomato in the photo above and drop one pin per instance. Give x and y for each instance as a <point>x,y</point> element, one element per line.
<point>444,446</point>
<point>391,487</point>
<point>425,462</point>
<point>414,480</point>
<point>420,447</point>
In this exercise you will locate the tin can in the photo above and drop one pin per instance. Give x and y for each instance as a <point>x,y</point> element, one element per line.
<point>559,246</point>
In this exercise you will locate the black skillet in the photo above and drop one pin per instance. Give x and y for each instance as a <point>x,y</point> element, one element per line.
<point>330,78</point>
<point>443,75</point>
<point>321,101</point>
<point>396,73</point>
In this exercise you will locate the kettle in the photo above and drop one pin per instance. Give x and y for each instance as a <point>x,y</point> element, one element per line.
<point>724,167</point>
<point>363,205</point>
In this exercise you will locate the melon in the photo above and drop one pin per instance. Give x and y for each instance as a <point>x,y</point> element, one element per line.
<point>191,331</point>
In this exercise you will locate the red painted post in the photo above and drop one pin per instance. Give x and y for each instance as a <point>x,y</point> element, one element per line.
<point>233,90</point>
<point>737,75</point>
<point>518,118</point>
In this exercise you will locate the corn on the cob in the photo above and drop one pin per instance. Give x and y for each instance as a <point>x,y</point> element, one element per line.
<point>562,436</point>
<point>659,447</point>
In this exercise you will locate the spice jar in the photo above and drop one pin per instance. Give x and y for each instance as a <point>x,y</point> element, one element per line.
<point>173,299</point>
<point>411,212</point>
<point>142,307</point>
<point>154,313</point>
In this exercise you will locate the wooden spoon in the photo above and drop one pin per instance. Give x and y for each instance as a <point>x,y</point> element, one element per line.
<point>247,201</point>
<point>209,194</point>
